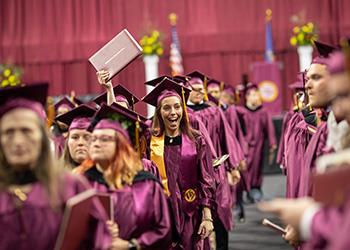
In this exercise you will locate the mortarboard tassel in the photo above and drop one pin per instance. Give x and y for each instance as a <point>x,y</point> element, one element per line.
<point>137,135</point>
<point>346,50</point>
<point>184,103</point>
<point>50,111</point>
<point>222,86</point>
<point>205,89</point>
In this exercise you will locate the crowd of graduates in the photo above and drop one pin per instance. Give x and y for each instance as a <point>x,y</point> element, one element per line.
<point>173,179</point>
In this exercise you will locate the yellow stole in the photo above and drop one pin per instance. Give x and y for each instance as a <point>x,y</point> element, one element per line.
<point>157,156</point>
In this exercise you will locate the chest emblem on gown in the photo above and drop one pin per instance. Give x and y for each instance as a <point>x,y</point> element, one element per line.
<point>190,195</point>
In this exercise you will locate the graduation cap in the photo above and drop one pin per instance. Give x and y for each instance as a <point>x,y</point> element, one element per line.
<point>183,80</point>
<point>157,80</point>
<point>167,88</point>
<point>229,89</point>
<point>122,94</point>
<point>250,86</point>
<point>77,118</point>
<point>299,83</point>
<point>199,78</point>
<point>120,119</point>
<point>28,96</point>
<point>324,49</point>
<point>214,82</point>
<point>77,101</point>
<point>336,63</point>
<point>65,102</point>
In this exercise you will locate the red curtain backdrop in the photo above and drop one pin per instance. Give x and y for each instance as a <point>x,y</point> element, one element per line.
<point>53,39</point>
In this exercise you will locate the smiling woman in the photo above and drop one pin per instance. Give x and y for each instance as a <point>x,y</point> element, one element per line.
<point>184,162</point>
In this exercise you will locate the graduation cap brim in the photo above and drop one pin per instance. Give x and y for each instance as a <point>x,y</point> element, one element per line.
<point>213,82</point>
<point>181,79</point>
<point>324,49</point>
<point>64,101</point>
<point>78,112</point>
<point>35,92</point>
<point>128,111</point>
<point>166,84</point>
<point>77,101</point>
<point>118,90</point>
<point>117,113</point>
<point>197,74</point>
<point>157,80</point>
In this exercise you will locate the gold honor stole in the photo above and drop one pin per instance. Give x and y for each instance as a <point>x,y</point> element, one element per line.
<point>157,156</point>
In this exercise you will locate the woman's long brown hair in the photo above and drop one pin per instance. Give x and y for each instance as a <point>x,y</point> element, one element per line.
<point>66,158</point>
<point>158,126</point>
<point>46,171</point>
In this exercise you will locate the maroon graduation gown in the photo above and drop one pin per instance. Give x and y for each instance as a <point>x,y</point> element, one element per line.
<point>280,153</point>
<point>297,137</point>
<point>35,225</point>
<point>315,149</point>
<point>224,142</point>
<point>140,210</point>
<point>258,126</point>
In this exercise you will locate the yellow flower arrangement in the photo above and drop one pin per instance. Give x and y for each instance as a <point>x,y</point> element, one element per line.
<point>10,75</point>
<point>304,35</point>
<point>151,43</point>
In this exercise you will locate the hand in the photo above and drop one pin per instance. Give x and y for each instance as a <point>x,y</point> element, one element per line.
<point>205,228</point>
<point>102,77</point>
<point>242,166</point>
<point>292,236</point>
<point>113,228</point>
<point>236,176</point>
<point>119,244</point>
<point>289,210</point>
<point>272,154</point>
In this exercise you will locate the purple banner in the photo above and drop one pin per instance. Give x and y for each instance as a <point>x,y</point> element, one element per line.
<point>268,77</point>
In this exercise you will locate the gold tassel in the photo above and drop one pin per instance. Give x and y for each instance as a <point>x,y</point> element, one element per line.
<point>205,89</point>
<point>50,111</point>
<point>222,86</point>
<point>137,135</point>
<point>346,50</point>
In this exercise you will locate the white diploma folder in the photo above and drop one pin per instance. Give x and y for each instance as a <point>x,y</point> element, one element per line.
<point>116,54</point>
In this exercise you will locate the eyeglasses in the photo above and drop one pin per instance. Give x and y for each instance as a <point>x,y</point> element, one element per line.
<point>103,138</point>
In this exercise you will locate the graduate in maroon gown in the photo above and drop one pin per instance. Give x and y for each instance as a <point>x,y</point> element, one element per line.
<point>320,96</point>
<point>78,139</point>
<point>117,94</point>
<point>257,126</point>
<point>184,162</point>
<point>120,95</point>
<point>297,134</point>
<point>324,226</point>
<point>59,130</point>
<point>33,189</point>
<point>140,206</point>
<point>299,102</point>
<point>224,142</point>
